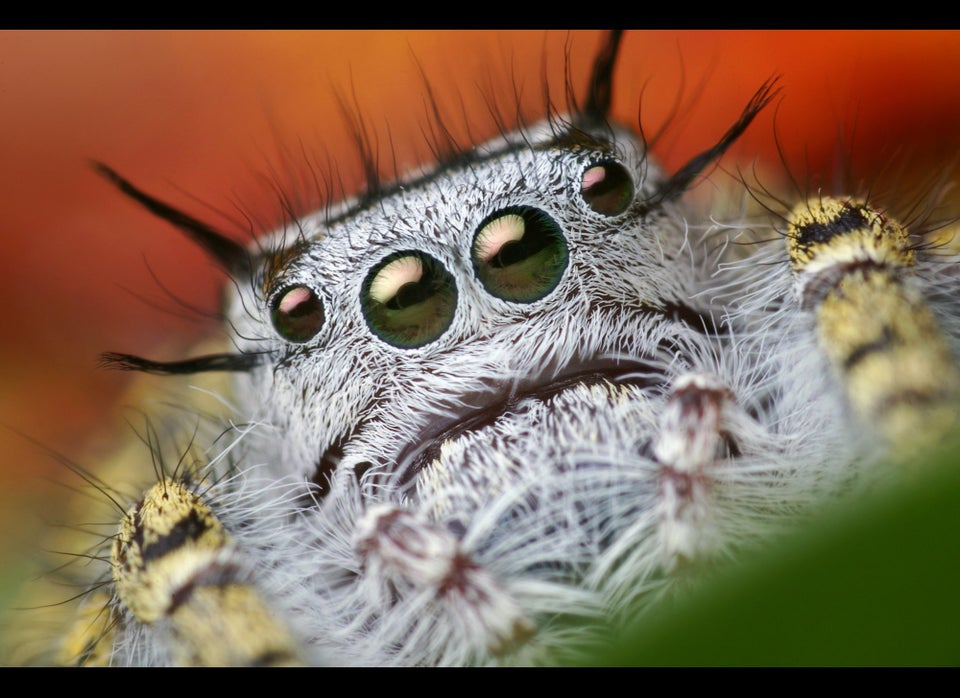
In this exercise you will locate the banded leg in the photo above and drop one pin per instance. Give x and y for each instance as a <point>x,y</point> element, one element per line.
<point>853,268</point>
<point>691,439</point>
<point>176,568</point>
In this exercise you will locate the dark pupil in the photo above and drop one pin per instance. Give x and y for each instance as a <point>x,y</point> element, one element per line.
<point>303,310</point>
<point>515,251</point>
<point>412,293</point>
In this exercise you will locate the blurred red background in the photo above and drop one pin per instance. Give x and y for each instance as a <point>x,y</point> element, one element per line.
<point>196,118</point>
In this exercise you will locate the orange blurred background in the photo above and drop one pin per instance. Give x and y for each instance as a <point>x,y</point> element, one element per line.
<point>202,119</point>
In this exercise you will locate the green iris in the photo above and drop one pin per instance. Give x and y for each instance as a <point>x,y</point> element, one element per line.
<point>519,254</point>
<point>409,299</point>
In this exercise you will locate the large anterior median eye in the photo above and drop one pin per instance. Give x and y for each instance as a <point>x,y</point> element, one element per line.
<point>607,188</point>
<point>297,314</point>
<point>519,254</point>
<point>409,299</point>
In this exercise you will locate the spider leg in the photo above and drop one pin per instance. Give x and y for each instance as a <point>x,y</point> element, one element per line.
<point>855,271</point>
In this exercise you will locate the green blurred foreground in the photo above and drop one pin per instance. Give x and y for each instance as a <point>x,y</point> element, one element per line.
<point>875,585</point>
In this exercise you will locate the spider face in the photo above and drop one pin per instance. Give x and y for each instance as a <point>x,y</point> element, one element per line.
<point>473,293</point>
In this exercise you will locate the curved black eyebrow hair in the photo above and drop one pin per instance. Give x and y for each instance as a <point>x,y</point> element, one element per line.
<point>230,255</point>
<point>211,362</point>
<point>683,178</point>
<point>600,89</point>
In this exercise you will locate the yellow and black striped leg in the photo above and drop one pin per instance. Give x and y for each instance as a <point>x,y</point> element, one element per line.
<point>853,267</point>
<point>175,568</point>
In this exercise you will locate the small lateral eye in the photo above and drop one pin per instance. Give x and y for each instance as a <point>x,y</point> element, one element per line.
<point>409,299</point>
<point>519,254</point>
<point>607,188</point>
<point>297,314</point>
